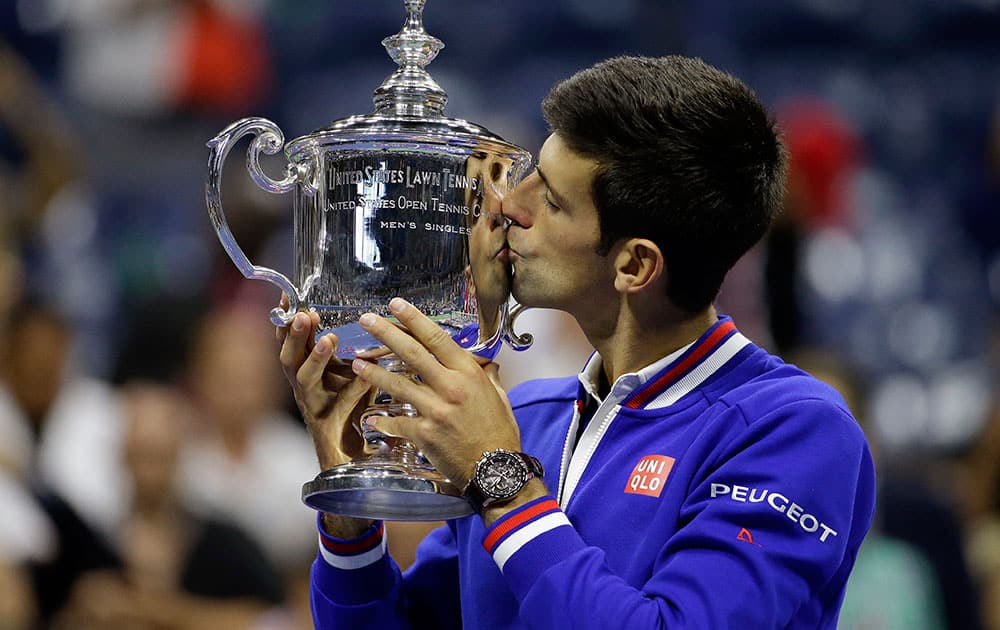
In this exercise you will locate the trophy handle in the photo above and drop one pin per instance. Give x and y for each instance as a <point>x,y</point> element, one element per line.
<point>489,347</point>
<point>269,139</point>
<point>516,341</point>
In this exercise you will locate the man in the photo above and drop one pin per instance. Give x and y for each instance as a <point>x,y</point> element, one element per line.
<point>690,478</point>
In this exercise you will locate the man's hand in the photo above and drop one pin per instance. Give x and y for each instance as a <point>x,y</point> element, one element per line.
<point>329,396</point>
<point>463,410</point>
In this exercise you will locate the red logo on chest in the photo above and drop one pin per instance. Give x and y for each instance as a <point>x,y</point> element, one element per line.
<point>649,475</point>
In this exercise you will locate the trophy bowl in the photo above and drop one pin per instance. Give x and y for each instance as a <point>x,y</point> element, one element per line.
<point>402,202</point>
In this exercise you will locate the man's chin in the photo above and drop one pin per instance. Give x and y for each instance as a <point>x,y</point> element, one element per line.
<point>525,297</point>
<point>516,292</point>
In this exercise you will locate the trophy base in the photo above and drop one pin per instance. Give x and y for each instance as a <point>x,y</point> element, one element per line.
<point>385,490</point>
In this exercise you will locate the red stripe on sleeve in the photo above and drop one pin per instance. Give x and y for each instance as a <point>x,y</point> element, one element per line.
<point>516,521</point>
<point>347,548</point>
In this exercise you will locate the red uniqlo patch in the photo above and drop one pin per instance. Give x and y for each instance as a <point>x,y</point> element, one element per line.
<point>649,475</point>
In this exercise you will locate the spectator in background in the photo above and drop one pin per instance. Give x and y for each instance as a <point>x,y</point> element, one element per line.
<point>248,458</point>
<point>150,58</point>
<point>57,444</point>
<point>48,214</point>
<point>822,151</point>
<point>43,158</point>
<point>60,427</point>
<point>173,570</point>
<point>54,484</point>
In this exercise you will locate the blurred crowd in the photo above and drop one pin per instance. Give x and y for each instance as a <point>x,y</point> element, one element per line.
<point>150,456</point>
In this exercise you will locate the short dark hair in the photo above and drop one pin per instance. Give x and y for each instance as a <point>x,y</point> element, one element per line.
<point>687,157</point>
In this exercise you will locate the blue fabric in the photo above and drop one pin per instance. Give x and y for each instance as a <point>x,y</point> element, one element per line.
<point>757,524</point>
<point>469,336</point>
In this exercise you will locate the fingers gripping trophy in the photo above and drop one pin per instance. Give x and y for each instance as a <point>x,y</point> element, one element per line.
<point>401,202</point>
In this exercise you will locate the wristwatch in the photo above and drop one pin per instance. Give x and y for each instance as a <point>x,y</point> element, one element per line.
<point>499,476</point>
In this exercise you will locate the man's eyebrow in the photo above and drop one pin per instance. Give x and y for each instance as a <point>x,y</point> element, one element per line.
<point>558,197</point>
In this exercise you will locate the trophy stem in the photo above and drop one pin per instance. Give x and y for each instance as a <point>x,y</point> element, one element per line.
<point>393,481</point>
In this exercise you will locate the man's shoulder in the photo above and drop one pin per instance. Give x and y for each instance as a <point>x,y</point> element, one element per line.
<point>544,390</point>
<point>773,385</point>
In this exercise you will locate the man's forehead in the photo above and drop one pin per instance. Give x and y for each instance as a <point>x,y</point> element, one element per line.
<point>564,165</point>
<point>553,147</point>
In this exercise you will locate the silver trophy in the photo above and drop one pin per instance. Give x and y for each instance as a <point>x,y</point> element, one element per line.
<point>402,202</point>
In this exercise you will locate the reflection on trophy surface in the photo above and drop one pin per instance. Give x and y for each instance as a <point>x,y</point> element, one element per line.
<point>404,202</point>
<point>489,267</point>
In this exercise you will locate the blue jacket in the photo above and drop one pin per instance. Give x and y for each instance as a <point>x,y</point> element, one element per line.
<point>722,488</point>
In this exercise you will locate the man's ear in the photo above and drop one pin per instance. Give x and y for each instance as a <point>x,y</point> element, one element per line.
<point>638,265</point>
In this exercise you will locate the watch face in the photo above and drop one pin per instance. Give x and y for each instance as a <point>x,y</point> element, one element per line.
<point>501,475</point>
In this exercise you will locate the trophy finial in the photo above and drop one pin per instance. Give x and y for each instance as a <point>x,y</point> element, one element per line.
<point>410,90</point>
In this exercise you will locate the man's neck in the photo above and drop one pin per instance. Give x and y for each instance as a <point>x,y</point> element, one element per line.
<point>632,346</point>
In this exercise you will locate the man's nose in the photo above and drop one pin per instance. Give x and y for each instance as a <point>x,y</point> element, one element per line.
<point>514,209</point>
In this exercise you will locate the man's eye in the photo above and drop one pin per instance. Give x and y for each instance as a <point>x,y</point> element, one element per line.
<point>549,203</point>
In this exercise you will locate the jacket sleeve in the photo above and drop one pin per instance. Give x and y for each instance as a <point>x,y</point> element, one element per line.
<point>357,584</point>
<point>767,529</point>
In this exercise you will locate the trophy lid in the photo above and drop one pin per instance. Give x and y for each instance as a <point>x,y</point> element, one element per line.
<point>410,90</point>
<point>409,105</point>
